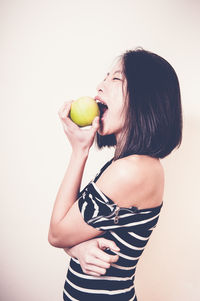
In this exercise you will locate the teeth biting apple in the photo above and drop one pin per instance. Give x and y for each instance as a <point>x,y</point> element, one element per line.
<point>102,106</point>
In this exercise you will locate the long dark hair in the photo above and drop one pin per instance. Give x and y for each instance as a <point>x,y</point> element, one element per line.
<point>153,108</point>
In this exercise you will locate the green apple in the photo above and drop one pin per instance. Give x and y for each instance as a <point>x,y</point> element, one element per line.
<point>84,110</point>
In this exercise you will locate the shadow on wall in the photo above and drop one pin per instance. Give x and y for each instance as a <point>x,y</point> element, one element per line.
<point>169,268</point>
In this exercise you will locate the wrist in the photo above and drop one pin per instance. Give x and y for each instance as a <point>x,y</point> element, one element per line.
<point>71,252</point>
<point>82,153</point>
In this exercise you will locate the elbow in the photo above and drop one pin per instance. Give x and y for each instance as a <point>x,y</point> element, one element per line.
<point>57,241</point>
<point>53,241</point>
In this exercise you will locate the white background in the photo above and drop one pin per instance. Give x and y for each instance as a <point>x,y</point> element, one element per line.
<point>57,50</point>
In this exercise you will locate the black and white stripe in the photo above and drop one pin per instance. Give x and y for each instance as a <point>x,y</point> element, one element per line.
<point>130,228</point>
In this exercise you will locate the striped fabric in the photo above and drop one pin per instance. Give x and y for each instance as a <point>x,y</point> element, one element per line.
<point>130,228</point>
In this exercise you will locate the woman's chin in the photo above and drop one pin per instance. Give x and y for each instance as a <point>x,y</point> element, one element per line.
<point>104,127</point>
<point>101,132</point>
<point>104,132</point>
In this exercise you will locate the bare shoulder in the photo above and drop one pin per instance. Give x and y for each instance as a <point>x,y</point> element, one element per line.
<point>135,180</point>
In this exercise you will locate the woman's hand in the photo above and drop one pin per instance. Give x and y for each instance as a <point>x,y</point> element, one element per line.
<point>90,254</point>
<point>80,139</point>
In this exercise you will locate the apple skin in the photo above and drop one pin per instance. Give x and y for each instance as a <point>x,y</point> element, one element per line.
<point>84,110</point>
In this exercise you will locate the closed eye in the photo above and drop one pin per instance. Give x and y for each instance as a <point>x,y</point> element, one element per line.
<point>115,78</point>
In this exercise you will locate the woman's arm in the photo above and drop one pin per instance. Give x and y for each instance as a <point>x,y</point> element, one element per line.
<point>70,186</point>
<point>81,141</point>
<point>93,260</point>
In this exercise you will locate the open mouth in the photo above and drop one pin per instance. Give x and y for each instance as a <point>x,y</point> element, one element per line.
<point>102,108</point>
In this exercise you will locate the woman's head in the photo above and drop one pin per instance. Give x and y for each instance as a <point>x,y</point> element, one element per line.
<point>150,106</point>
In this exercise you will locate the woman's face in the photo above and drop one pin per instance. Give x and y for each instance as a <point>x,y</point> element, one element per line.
<point>112,91</point>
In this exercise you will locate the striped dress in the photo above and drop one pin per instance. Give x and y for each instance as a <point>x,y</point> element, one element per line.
<point>130,228</point>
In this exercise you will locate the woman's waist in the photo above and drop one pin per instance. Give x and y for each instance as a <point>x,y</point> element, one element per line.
<point>116,272</point>
<point>110,284</point>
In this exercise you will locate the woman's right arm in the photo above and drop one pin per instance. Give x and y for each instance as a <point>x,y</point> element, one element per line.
<point>93,260</point>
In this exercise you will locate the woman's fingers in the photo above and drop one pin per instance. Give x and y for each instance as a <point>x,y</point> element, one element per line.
<point>103,258</point>
<point>64,110</point>
<point>100,262</point>
<point>92,273</point>
<point>92,257</point>
<point>106,243</point>
<point>93,269</point>
<point>95,124</point>
<point>63,107</point>
<point>63,113</point>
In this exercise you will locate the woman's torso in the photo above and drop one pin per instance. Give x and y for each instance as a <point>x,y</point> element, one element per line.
<point>131,234</point>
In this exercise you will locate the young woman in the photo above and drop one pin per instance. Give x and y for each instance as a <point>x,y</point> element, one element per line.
<point>141,116</point>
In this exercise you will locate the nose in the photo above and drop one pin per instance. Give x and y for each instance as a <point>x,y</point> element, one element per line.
<point>100,86</point>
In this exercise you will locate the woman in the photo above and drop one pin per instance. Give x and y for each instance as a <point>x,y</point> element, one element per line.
<point>141,116</point>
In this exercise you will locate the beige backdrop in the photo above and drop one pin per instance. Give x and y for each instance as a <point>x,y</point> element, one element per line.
<point>56,50</point>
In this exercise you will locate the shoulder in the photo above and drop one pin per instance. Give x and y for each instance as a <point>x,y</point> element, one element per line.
<point>133,169</point>
<point>124,171</point>
<point>133,181</point>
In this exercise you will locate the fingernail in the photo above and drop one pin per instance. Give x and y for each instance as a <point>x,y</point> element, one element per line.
<point>116,249</point>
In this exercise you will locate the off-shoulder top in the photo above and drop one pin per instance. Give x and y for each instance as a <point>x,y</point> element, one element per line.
<point>130,228</point>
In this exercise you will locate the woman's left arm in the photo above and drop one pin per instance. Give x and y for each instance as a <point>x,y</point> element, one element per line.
<point>64,220</point>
